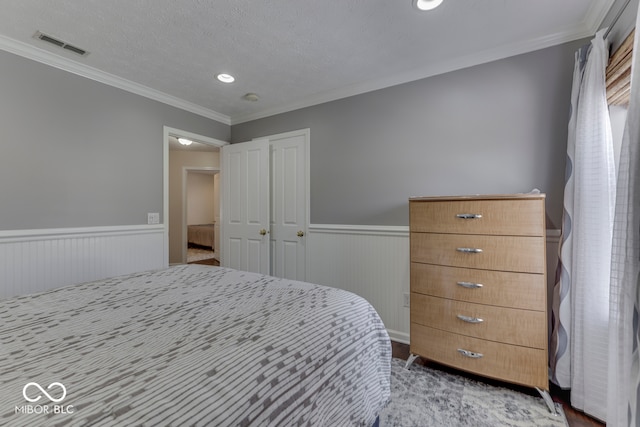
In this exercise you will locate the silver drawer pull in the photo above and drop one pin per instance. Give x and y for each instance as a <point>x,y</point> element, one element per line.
<point>470,285</point>
<point>471,354</point>
<point>469,250</point>
<point>469,319</point>
<point>469,216</point>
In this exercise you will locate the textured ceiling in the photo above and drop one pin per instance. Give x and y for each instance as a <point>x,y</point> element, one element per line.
<point>292,53</point>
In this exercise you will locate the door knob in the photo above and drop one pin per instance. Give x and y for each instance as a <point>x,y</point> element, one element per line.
<point>263,232</point>
<point>300,233</point>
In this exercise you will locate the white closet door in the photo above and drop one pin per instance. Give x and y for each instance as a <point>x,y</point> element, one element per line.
<point>244,175</point>
<point>289,204</point>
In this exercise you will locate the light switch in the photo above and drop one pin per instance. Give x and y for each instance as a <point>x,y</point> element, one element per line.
<point>153,218</point>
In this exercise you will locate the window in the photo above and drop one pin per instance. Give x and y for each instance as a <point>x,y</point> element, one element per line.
<point>618,74</point>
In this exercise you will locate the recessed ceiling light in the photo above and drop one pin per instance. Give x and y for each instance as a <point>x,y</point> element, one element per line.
<point>185,141</point>
<point>226,78</point>
<point>426,4</point>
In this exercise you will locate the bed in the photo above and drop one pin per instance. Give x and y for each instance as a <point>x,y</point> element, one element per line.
<point>201,235</point>
<point>192,345</point>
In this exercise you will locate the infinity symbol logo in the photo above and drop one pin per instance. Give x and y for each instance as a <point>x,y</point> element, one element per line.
<point>64,392</point>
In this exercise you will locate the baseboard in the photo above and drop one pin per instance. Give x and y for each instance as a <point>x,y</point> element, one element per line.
<point>369,261</point>
<point>401,337</point>
<point>373,262</point>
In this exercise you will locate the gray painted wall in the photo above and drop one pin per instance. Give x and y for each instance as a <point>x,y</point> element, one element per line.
<point>78,153</point>
<point>499,127</point>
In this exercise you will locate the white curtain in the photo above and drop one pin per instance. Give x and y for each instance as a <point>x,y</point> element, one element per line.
<point>580,336</point>
<point>624,372</point>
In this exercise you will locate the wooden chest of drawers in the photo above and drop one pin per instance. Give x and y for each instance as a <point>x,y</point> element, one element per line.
<point>478,285</point>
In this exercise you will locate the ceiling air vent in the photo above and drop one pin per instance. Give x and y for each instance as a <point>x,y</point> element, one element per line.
<point>64,45</point>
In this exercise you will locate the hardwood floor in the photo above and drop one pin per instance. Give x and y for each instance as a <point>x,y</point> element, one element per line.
<point>575,418</point>
<point>209,261</point>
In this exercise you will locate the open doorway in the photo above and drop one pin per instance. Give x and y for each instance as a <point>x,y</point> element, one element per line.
<point>201,155</point>
<point>201,218</point>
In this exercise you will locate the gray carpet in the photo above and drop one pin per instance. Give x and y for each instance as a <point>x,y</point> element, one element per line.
<point>422,396</point>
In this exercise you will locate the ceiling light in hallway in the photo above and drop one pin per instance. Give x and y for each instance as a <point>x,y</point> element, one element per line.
<point>426,4</point>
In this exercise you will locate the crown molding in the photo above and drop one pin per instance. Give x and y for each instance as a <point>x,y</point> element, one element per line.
<point>587,28</point>
<point>597,13</point>
<point>30,52</point>
<point>581,31</point>
<point>594,18</point>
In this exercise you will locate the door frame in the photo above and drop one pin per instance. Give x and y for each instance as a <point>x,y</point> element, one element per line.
<point>185,173</point>
<point>166,133</point>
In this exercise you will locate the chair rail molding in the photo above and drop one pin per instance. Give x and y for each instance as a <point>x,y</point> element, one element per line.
<point>40,260</point>
<point>373,262</point>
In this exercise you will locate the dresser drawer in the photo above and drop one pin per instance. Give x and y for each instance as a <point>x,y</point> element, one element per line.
<point>507,325</point>
<point>520,217</point>
<point>520,365</point>
<point>505,253</point>
<point>506,289</point>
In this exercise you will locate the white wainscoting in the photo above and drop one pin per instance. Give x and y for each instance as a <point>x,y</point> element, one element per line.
<point>38,260</point>
<point>370,261</point>
<point>373,262</point>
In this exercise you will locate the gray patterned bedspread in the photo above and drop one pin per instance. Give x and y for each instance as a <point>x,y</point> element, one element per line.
<point>192,345</point>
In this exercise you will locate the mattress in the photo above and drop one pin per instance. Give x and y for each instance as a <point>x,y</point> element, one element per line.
<point>192,345</point>
<point>201,234</point>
